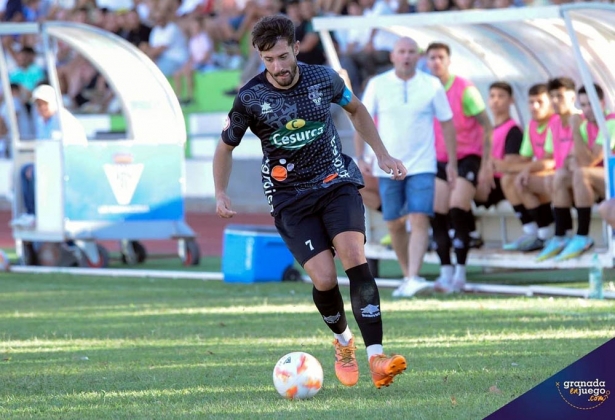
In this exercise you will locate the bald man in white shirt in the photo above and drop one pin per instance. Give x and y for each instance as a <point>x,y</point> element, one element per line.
<point>405,101</point>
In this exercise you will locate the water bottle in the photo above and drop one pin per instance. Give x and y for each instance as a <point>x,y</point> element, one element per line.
<point>595,279</point>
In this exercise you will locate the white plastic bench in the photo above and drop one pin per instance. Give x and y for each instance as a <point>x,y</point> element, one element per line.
<point>497,226</point>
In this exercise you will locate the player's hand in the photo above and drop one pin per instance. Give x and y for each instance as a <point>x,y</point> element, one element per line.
<point>393,167</point>
<point>575,121</point>
<point>451,174</point>
<point>498,165</point>
<point>522,179</point>
<point>485,175</point>
<point>223,206</point>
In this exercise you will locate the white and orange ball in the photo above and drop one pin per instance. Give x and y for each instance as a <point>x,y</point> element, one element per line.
<point>297,375</point>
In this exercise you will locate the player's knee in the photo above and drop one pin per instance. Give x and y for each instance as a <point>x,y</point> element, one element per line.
<point>462,232</point>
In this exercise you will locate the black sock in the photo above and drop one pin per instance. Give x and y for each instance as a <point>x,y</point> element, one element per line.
<point>331,307</point>
<point>470,221</point>
<point>461,240</point>
<point>439,224</point>
<point>545,215</point>
<point>522,214</point>
<point>584,215</point>
<point>563,220</point>
<point>365,300</point>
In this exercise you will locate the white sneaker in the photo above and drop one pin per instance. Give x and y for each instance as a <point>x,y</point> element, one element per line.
<point>458,284</point>
<point>443,284</point>
<point>412,286</point>
<point>24,221</point>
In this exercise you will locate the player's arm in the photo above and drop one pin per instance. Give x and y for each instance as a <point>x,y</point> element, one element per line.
<point>222,166</point>
<point>450,141</point>
<point>474,106</point>
<point>236,124</point>
<point>581,150</point>
<point>599,143</point>
<point>365,127</point>
<point>444,115</point>
<point>485,123</point>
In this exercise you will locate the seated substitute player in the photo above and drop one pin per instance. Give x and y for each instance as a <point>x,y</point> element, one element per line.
<point>562,91</point>
<point>312,188</point>
<point>507,138</point>
<point>588,184</point>
<point>535,164</point>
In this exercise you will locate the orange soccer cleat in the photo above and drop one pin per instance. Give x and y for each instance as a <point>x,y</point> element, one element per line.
<point>385,368</point>
<point>346,367</point>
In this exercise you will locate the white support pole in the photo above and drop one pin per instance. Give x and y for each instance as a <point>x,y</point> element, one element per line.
<point>588,82</point>
<point>120,272</point>
<point>330,52</point>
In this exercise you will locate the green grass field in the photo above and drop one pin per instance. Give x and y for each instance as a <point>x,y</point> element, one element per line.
<point>120,348</point>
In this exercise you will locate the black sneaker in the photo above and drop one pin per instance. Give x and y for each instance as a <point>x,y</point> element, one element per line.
<point>535,245</point>
<point>476,242</point>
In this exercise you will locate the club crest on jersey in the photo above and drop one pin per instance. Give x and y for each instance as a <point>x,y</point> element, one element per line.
<point>266,108</point>
<point>314,94</point>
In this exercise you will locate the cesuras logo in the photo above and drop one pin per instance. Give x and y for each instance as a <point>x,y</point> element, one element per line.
<point>583,395</point>
<point>296,134</point>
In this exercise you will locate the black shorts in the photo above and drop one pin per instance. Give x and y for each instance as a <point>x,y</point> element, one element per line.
<point>467,168</point>
<point>309,224</point>
<point>495,196</point>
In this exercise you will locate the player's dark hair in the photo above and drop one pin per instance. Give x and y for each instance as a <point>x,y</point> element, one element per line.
<point>270,29</point>
<point>561,82</point>
<point>505,86</point>
<point>438,46</point>
<point>599,91</point>
<point>538,89</point>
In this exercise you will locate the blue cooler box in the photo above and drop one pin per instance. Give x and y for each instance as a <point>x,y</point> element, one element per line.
<point>253,253</point>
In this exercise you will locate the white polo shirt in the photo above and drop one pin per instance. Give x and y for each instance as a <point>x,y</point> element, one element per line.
<point>404,111</point>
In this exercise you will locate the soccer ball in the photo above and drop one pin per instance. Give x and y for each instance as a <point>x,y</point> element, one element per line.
<point>297,375</point>
<point>5,263</point>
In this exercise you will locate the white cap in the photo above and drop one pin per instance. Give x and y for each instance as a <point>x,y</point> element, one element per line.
<point>47,94</point>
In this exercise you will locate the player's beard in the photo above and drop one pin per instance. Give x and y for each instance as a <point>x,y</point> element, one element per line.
<point>282,78</point>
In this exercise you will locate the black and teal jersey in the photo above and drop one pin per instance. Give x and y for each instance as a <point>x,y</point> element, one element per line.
<point>301,147</point>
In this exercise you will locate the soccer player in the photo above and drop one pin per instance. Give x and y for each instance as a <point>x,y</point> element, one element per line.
<point>507,139</point>
<point>535,166</point>
<point>405,103</point>
<point>311,186</point>
<point>562,91</point>
<point>588,175</point>
<point>473,131</point>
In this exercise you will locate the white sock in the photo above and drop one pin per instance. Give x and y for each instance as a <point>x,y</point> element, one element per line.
<point>475,234</point>
<point>446,271</point>
<point>546,232</point>
<point>530,228</point>
<point>344,337</point>
<point>460,272</point>
<point>374,349</point>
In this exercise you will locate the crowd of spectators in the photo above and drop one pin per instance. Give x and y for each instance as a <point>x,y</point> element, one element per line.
<point>184,37</point>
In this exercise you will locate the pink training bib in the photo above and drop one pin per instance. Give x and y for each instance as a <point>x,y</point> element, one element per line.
<point>537,138</point>
<point>467,129</point>
<point>499,140</point>
<point>562,141</point>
